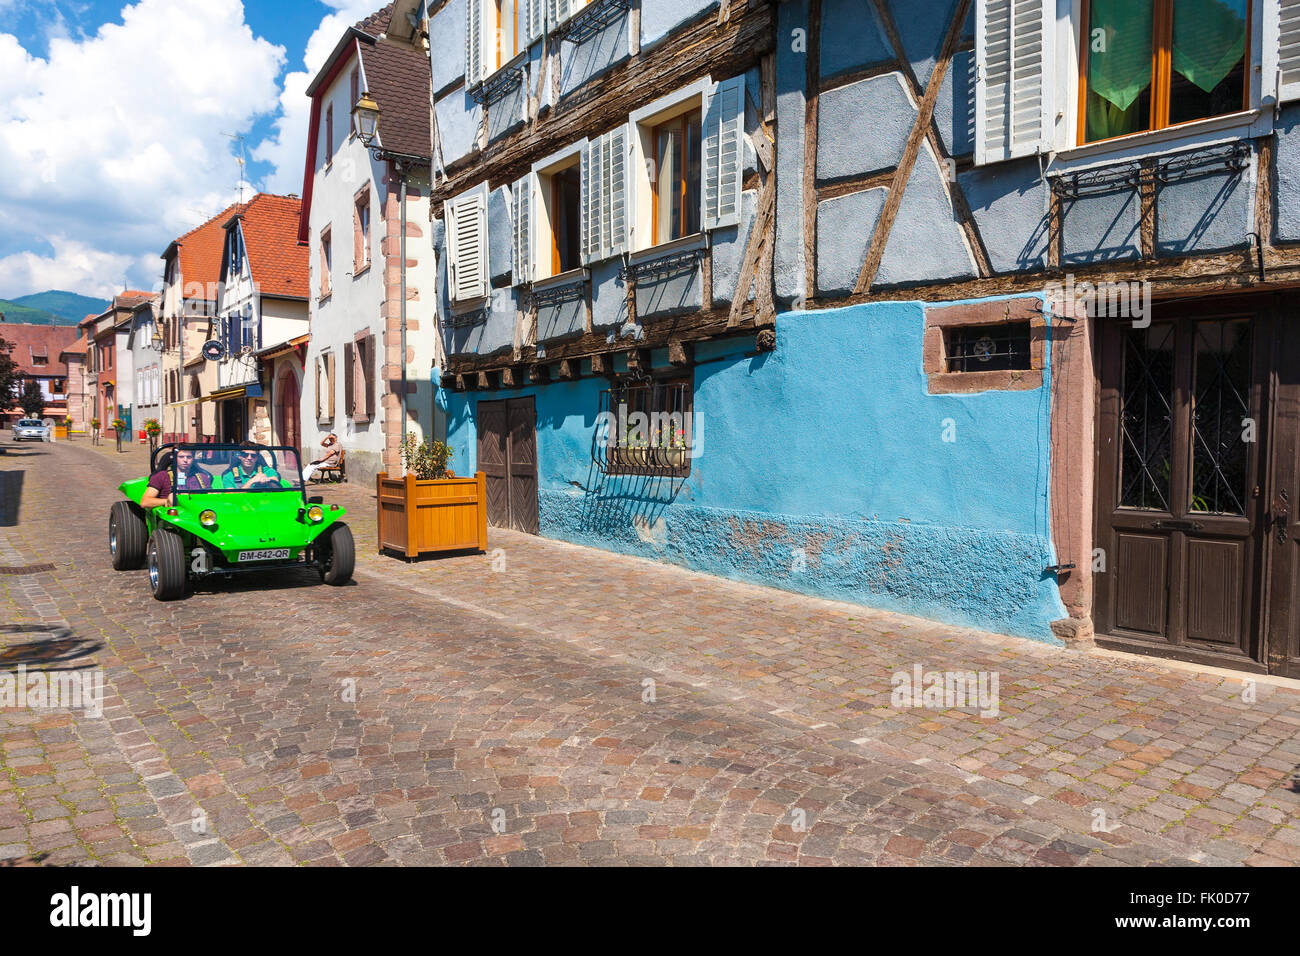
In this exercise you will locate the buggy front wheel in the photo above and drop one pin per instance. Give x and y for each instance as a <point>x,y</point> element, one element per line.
<point>336,553</point>
<point>167,571</point>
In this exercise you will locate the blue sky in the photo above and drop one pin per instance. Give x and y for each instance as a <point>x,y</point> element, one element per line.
<point>114,116</point>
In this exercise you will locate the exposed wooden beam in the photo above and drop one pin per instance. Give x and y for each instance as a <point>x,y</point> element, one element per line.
<point>680,353</point>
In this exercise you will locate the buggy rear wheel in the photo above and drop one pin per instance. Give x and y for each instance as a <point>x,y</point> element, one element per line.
<point>127,535</point>
<point>167,571</point>
<point>336,553</point>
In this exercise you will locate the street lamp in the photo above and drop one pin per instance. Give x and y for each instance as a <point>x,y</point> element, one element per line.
<point>365,118</point>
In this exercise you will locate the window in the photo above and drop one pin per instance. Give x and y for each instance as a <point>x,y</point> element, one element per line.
<point>359,378</point>
<point>496,31</point>
<point>1149,64</point>
<point>234,253</point>
<point>329,134</point>
<point>686,162</point>
<point>361,232</point>
<point>465,222</point>
<point>326,264</point>
<point>554,198</point>
<point>40,358</point>
<point>646,429</point>
<point>987,348</point>
<point>675,178</point>
<point>325,387</point>
<point>56,386</point>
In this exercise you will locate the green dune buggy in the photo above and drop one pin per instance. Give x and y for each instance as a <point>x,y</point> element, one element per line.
<point>232,510</point>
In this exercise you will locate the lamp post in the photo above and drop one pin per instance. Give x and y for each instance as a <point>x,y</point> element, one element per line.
<point>365,117</point>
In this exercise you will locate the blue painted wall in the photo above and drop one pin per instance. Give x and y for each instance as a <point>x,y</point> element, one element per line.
<point>797,453</point>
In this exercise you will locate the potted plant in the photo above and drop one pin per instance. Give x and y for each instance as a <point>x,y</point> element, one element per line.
<point>430,510</point>
<point>152,428</point>
<point>94,431</point>
<point>119,426</point>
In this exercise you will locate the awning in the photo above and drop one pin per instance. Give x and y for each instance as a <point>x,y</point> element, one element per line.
<point>190,401</point>
<point>222,394</point>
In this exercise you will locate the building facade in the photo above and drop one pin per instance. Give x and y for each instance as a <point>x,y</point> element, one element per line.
<point>352,226</point>
<point>261,302</point>
<point>982,315</point>
<point>109,359</point>
<point>145,344</point>
<point>191,275</point>
<point>40,352</point>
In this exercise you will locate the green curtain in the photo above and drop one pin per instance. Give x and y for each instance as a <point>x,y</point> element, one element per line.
<point>1119,65</point>
<point>1209,39</point>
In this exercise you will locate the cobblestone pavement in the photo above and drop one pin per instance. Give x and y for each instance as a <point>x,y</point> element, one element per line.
<point>500,718</point>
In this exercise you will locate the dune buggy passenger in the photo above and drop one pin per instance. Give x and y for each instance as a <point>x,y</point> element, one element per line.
<point>249,471</point>
<point>189,476</point>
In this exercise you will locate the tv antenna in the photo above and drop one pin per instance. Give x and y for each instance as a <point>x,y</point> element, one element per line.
<point>242,161</point>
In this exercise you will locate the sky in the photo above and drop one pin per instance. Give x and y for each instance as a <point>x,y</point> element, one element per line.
<point>119,125</point>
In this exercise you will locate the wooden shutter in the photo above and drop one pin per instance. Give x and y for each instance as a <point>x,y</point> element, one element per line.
<point>466,227</point>
<point>605,195</point>
<point>521,220</point>
<point>369,371</point>
<point>349,375</point>
<point>724,118</point>
<point>1013,114</point>
<point>473,41</point>
<point>316,387</point>
<point>1288,52</point>
<point>329,375</point>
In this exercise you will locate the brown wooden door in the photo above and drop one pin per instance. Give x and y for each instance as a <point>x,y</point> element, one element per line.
<point>492,440</point>
<point>1282,516</point>
<point>507,456</point>
<point>1181,458</point>
<point>523,465</point>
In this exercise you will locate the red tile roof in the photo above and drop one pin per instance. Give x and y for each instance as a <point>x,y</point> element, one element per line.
<point>377,22</point>
<point>276,260</point>
<point>31,341</point>
<point>200,251</point>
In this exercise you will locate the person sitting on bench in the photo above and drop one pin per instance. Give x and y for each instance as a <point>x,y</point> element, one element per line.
<point>330,461</point>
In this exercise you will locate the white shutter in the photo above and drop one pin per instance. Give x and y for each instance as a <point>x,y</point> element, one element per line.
<point>1013,77</point>
<point>1288,52</point>
<point>466,227</point>
<point>724,118</point>
<point>473,41</point>
<point>560,10</point>
<point>522,220</point>
<point>591,201</point>
<point>536,19</point>
<point>615,192</point>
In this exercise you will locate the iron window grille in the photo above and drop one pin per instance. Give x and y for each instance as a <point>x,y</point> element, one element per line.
<point>497,85</point>
<point>664,265</point>
<point>591,19</point>
<point>645,428</point>
<point>988,348</point>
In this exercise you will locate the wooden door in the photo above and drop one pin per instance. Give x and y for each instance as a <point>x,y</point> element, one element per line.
<point>522,460</point>
<point>1282,522</point>
<point>507,456</point>
<point>1181,459</point>
<point>492,440</point>
<point>287,403</point>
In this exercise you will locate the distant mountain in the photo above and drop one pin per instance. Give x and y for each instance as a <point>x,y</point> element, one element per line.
<point>57,308</point>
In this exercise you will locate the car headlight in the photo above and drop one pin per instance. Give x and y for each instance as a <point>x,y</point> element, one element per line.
<point>208,518</point>
<point>315,513</point>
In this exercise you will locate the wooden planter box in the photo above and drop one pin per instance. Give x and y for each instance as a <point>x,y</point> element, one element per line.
<point>422,517</point>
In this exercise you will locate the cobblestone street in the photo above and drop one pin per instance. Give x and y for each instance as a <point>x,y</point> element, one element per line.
<point>500,718</point>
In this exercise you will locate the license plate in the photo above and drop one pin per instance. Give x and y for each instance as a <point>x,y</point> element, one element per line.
<point>274,554</point>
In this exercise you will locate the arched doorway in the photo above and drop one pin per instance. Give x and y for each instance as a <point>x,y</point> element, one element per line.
<point>286,409</point>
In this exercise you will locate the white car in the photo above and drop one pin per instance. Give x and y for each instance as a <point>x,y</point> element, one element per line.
<point>31,428</point>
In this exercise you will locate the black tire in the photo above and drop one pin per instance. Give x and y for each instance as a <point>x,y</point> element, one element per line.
<point>128,537</point>
<point>168,573</point>
<point>336,553</point>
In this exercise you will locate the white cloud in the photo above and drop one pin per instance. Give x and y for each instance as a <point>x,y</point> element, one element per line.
<point>286,149</point>
<point>74,266</point>
<point>114,144</point>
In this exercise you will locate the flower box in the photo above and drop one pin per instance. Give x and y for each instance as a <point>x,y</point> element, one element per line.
<point>431,517</point>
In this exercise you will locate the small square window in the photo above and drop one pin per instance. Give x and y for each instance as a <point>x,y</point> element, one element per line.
<point>988,348</point>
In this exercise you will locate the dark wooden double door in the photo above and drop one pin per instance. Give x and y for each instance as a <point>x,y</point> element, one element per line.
<point>507,456</point>
<point>1198,467</point>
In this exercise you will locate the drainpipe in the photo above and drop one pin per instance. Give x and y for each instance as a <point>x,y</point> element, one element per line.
<point>401,172</point>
